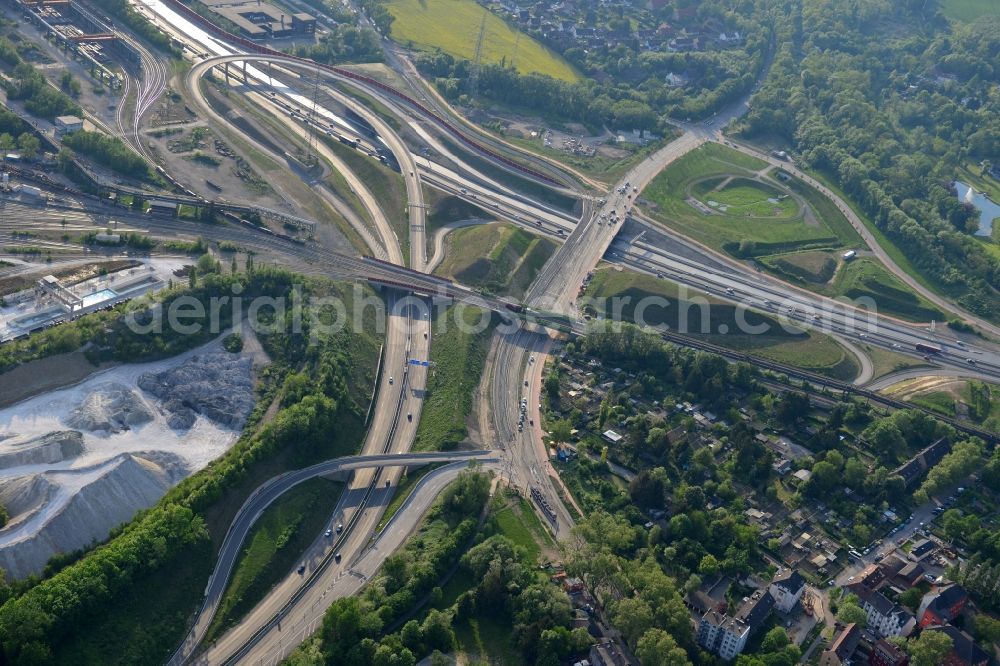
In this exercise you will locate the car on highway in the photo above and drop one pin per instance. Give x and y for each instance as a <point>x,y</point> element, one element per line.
<point>301,569</point>
<point>328,534</point>
<point>336,558</point>
<point>339,528</point>
<point>409,416</point>
<point>391,379</point>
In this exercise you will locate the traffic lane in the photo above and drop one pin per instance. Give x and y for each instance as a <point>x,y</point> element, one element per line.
<point>302,620</point>
<point>839,317</point>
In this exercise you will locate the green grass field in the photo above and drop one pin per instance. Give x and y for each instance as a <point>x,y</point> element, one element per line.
<point>813,266</point>
<point>498,258</point>
<point>974,401</point>
<point>453,26</point>
<point>808,350</point>
<point>715,174</point>
<point>446,208</point>
<point>970,10</point>
<point>459,357</point>
<point>742,196</point>
<point>885,361</point>
<point>867,278</point>
<point>274,545</point>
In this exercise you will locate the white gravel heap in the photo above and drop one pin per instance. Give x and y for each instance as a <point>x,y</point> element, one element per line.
<point>107,495</point>
<point>45,449</point>
<point>110,408</point>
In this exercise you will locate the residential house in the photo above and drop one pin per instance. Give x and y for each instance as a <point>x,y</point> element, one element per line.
<point>787,587</point>
<point>942,606</point>
<point>964,651</point>
<point>910,574</point>
<point>844,643</point>
<point>871,576</point>
<point>884,617</point>
<point>884,653</point>
<point>915,467</point>
<point>723,635</point>
<point>608,654</point>
<point>755,609</point>
<point>921,549</point>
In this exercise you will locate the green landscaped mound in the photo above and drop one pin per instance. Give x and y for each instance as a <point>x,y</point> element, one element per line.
<point>498,258</point>
<point>453,27</point>
<point>866,278</point>
<point>739,196</point>
<point>816,267</point>
<point>736,203</point>
<point>719,323</point>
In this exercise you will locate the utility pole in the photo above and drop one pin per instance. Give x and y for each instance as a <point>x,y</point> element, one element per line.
<point>478,57</point>
<point>312,120</point>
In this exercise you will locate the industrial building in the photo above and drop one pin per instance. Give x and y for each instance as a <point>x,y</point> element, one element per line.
<point>260,20</point>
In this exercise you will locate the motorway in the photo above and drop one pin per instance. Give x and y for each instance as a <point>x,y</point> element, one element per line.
<point>267,493</point>
<point>295,606</point>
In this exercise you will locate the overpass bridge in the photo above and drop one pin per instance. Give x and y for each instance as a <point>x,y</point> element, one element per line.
<point>269,492</point>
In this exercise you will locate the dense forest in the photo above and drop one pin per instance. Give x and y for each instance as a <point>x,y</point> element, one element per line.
<point>108,151</point>
<point>888,100</point>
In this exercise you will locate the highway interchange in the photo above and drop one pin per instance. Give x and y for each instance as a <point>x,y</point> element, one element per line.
<point>292,610</point>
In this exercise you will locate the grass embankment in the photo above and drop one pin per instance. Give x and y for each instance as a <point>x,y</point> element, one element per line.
<point>885,362</point>
<point>453,27</point>
<point>861,279</point>
<point>719,323</point>
<point>445,208</point>
<point>458,357</point>
<point>386,186</point>
<point>403,490</point>
<point>273,547</point>
<point>714,195</point>
<point>517,521</point>
<point>526,186</point>
<point>498,258</point>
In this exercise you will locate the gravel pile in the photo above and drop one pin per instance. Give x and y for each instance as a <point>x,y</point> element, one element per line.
<point>218,386</point>
<point>110,408</point>
<point>45,449</point>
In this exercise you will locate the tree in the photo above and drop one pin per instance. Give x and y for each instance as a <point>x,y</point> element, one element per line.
<point>647,489</point>
<point>633,617</point>
<point>852,613</point>
<point>561,431</point>
<point>7,144</point>
<point>911,598</point>
<point>987,629</point>
<point>709,565</point>
<point>29,145</point>
<point>775,640</point>
<point>436,631</point>
<point>658,648</point>
<point>929,649</point>
<point>552,386</point>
